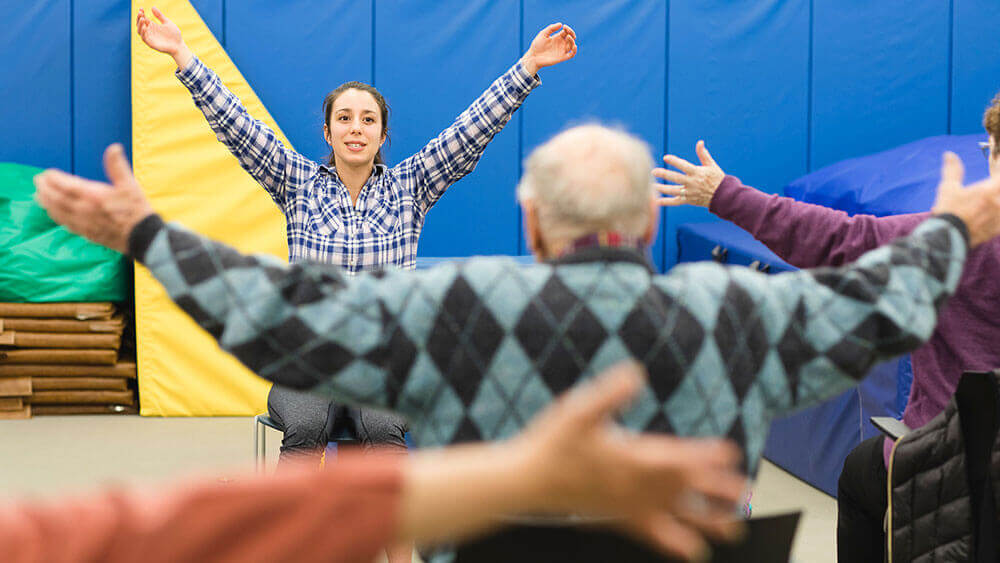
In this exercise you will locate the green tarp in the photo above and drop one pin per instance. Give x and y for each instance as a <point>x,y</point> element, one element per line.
<point>42,262</point>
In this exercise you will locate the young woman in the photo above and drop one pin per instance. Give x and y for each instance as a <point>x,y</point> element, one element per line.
<point>353,210</point>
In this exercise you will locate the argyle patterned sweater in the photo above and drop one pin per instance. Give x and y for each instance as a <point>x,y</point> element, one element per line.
<point>471,350</point>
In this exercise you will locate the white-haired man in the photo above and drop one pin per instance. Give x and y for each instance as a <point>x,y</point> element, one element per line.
<point>470,351</point>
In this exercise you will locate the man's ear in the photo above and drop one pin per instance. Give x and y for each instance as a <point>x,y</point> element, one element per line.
<point>654,221</point>
<point>532,233</point>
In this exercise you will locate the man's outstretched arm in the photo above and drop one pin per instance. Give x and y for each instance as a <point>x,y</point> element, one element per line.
<point>295,325</point>
<point>813,333</point>
<point>887,303</point>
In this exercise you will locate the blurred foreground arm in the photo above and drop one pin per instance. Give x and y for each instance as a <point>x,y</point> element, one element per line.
<point>571,459</point>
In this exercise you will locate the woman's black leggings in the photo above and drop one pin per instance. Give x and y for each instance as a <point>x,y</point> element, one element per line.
<point>310,421</point>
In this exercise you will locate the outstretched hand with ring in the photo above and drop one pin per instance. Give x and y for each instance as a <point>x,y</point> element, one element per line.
<point>693,185</point>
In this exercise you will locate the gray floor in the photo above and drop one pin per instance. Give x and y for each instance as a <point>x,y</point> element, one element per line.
<point>49,456</point>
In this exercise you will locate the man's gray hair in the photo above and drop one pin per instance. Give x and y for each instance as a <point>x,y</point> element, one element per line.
<point>587,179</point>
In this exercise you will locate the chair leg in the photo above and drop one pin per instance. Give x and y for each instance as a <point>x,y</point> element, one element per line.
<point>259,447</point>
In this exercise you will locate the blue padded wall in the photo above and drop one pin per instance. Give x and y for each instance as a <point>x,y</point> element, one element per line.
<point>211,12</point>
<point>102,96</point>
<point>880,75</point>
<point>36,92</point>
<point>295,52</point>
<point>738,79</point>
<point>776,88</point>
<point>432,59</point>
<point>617,76</point>
<point>65,95</point>
<point>975,66</point>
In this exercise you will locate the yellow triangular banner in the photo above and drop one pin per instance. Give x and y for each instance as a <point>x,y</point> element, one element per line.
<point>191,178</point>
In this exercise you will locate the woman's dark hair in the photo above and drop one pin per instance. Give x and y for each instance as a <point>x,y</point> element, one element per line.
<point>382,106</point>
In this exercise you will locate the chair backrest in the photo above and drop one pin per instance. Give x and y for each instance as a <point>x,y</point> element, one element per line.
<point>768,538</point>
<point>941,479</point>
<point>268,421</point>
<point>977,398</point>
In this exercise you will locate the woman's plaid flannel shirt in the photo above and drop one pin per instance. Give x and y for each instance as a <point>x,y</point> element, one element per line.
<point>384,228</point>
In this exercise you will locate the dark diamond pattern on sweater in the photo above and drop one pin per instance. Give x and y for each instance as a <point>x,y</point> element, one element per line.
<point>665,337</point>
<point>794,349</point>
<point>464,339</point>
<point>192,307</point>
<point>302,293</point>
<point>740,335</point>
<point>279,277</point>
<point>290,335</point>
<point>325,353</point>
<point>737,433</point>
<point>659,423</point>
<point>858,285</point>
<point>196,267</point>
<point>467,432</point>
<point>560,334</point>
<point>396,357</point>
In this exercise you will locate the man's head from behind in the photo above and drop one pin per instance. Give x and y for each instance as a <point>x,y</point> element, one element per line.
<point>585,180</point>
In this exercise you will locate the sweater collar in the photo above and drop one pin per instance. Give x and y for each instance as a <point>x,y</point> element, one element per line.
<point>605,246</point>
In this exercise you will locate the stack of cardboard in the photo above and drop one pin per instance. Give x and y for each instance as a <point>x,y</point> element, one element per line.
<point>63,358</point>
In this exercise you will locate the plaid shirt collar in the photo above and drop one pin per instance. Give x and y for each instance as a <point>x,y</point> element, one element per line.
<point>377,171</point>
<point>605,246</point>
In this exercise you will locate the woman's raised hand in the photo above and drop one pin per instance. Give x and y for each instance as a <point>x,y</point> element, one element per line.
<point>164,37</point>
<point>550,47</point>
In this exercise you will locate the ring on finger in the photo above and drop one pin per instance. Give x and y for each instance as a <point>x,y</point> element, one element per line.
<point>694,503</point>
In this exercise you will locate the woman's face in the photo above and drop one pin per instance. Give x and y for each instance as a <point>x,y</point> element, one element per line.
<point>354,131</point>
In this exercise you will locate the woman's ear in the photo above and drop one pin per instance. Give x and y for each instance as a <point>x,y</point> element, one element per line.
<point>326,135</point>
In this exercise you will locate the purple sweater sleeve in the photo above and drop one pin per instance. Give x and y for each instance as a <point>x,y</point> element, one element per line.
<point>803,234</point>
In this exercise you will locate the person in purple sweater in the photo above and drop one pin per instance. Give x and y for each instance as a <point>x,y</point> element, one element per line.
<point>805,235</point>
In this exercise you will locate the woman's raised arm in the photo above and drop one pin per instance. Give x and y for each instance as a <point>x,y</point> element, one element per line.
<point>256,146</point>
<point>164,37</point>
<point>455,152</point>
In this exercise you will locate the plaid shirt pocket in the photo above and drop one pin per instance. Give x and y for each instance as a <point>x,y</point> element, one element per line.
<point>383,215</point>
<point>325,215</point>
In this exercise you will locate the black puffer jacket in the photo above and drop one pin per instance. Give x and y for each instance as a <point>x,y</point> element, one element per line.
<point>942,499</point>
